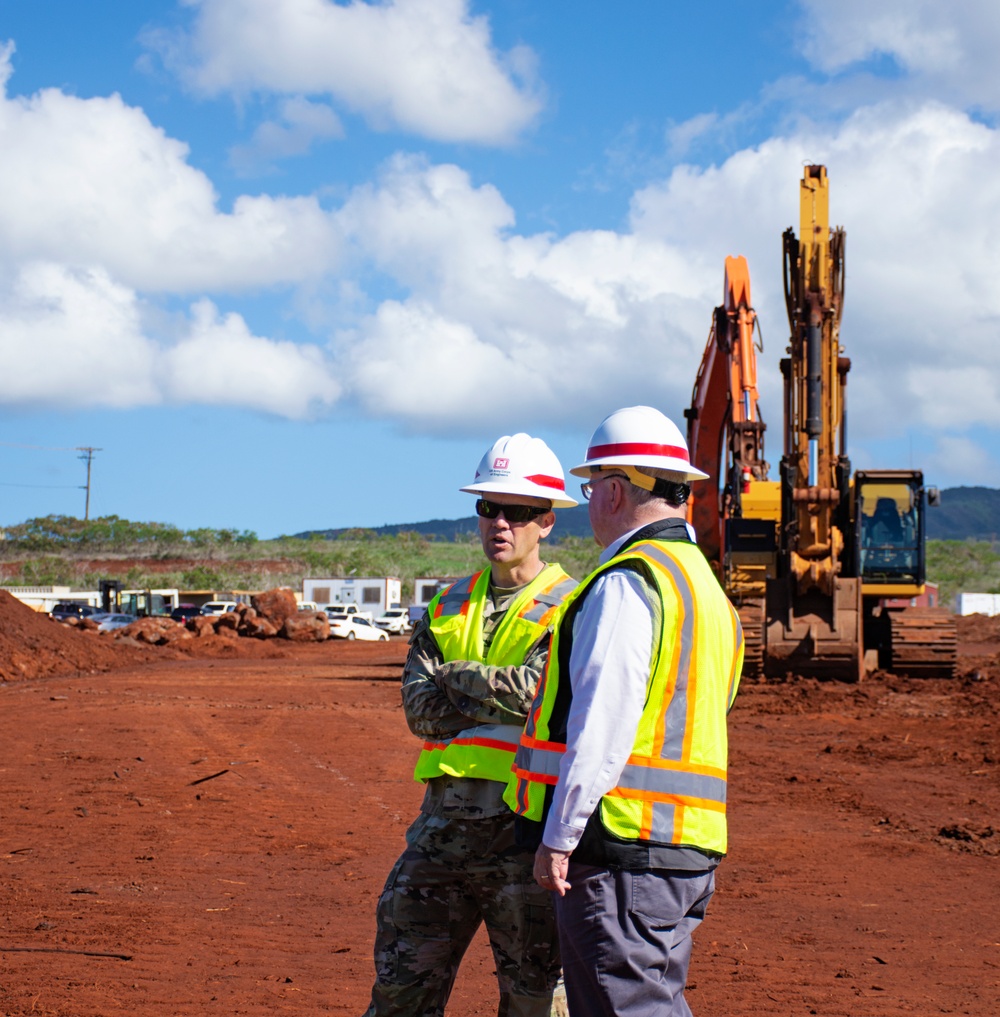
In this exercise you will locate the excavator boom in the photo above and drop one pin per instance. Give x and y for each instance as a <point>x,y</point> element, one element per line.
<point>734,512</point>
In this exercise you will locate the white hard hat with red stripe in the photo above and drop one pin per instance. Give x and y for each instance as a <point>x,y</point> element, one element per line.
<point>639,436</point>
<point>520,464</point>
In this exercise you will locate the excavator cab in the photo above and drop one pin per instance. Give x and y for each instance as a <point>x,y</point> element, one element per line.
<point>889,510</point>
<point>889,547</point>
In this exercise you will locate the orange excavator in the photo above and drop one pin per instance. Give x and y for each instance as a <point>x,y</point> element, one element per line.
<point>734,512</point>
<point>826,569</point>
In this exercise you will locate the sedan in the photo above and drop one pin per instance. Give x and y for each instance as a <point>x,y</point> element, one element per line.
<point>182,612</point>
<point>356,628</point>
<point>115,621</point>
<point>72,609</point>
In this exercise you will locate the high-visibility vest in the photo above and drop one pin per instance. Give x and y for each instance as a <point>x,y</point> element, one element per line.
<point>486,751</point>
<point>672,791</point>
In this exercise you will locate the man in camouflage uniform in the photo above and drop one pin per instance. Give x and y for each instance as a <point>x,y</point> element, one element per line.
<point>470,675</point>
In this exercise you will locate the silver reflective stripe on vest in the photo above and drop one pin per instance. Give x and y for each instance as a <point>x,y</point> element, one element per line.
<point>546,601</point>
<point>662,827</point>
<point>673,782</point>
<point>676,719</point>
<point>544,762</point>
<point>455,596</point>
<point>508,733</point>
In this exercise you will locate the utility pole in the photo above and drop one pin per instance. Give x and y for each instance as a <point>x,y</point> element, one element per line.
<point>88,455</point>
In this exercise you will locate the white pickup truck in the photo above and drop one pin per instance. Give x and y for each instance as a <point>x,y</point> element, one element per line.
<point>347,611</point>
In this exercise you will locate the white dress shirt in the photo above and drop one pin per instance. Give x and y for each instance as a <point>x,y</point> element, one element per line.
<point>609,668</point>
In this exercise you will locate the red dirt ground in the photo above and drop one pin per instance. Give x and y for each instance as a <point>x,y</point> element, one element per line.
<point>205,831</point>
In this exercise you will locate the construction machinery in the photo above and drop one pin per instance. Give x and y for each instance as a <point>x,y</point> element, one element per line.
<point>117,600</point>
<point>825,568</point>
<point>734,511</point>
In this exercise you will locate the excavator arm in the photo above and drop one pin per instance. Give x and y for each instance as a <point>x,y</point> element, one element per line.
<point>735,511</point>
<point>725,429</point>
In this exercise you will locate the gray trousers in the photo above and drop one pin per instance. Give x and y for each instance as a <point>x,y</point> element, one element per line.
<point>626,939</point>
<point>454,875</point>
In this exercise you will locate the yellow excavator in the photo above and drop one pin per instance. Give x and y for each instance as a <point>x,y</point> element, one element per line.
<point>826,568</point>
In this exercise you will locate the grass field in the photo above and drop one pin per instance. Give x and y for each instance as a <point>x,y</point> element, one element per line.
<point>63,551</point>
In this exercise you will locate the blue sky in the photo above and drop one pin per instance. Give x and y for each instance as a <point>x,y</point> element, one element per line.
<point>294,264</point>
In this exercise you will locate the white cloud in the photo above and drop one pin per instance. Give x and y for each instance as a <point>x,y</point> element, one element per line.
<point>424,66</point>
<point>556,325</point>
<point>299,124</point>
<point>74,339</point>
<point>220,363</point>
<point>948,48</point>
<point>961,460</point>
<point>427,369</point>
<point>921,299</point>
<point>681,137</point>
<point>100,212</point>
<point>92,182</point>
<point>566,327</point>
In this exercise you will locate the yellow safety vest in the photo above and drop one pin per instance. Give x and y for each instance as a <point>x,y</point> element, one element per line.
<point>487,751</point>
<point>672,791</point>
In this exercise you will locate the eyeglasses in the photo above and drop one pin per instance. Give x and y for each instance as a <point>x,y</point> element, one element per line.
<point>588,489</point>
<point>512,513</point>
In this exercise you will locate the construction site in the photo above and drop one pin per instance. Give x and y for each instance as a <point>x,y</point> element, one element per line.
<point>195,821</point>
<point>202,827</point>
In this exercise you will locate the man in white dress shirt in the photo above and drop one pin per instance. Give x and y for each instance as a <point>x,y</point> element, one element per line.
<point>621,771</point>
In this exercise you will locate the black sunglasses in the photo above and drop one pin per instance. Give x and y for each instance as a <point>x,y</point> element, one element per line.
<point>512,513</point>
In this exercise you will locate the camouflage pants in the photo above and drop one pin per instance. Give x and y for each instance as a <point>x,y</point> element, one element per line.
<point>454,874</point>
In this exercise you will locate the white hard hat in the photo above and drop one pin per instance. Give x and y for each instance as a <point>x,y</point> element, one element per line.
<point>639,436</point>
<point>520,464</point>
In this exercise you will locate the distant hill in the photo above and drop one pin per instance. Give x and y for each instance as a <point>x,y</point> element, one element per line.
<point>569,523</point>
<point>964,513</point>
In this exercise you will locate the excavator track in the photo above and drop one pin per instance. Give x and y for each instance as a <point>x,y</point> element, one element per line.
<point>751,612</point>
<point>924,642</point>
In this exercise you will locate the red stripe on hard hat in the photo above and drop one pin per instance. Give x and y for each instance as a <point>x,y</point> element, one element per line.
<point>544,481</point>
<point>635,448</point>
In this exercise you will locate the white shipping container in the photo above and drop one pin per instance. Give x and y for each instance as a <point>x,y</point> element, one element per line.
<point>371,594</point>
<point>978,603</point>
<point>44,598</point>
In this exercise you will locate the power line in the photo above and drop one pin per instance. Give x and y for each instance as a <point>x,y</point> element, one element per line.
<point>38,448</point>
<point>49,487</point>
<point>87,457</point>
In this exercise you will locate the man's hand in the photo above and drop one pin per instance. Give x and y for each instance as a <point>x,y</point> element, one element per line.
<point>551,868</point>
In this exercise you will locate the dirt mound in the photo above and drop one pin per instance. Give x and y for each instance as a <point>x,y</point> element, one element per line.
<point>978,628</point>
<point>32,645</point>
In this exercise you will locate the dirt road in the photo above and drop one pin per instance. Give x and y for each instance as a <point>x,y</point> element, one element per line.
<point>195,836</point>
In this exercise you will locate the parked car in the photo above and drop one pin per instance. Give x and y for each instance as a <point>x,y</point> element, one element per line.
<point>111,622</point>
<point>73,609</point>
<point>350,610</point>
<point>356,628</point>
<point>219,607</point>
<point>309,605</point>
<point>182,612</point>
<point>395,620</point>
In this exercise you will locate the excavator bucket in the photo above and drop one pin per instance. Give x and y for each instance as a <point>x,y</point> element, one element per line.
<point>814,634</point>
